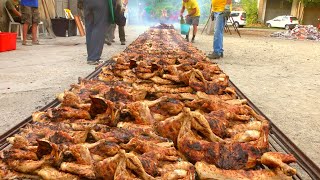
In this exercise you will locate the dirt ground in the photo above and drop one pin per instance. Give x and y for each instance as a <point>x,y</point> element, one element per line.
<point>281,77</point>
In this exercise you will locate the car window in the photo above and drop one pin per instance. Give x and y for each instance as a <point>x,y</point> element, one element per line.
<point>277,18</point>
<point>234,14</point>
<point>284,18</point>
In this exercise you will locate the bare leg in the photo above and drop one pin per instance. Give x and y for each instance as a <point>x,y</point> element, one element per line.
<point>195,29</point>
<point>34,32</point>
<point>24,32</point>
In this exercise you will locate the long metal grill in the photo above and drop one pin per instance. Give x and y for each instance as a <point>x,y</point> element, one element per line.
<point>306,168</point>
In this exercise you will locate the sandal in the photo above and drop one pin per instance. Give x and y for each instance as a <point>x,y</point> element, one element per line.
<point>25,43</point>
<point>36,42</point>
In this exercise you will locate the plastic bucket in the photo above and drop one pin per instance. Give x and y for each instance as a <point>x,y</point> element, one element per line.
<point>184,29</point>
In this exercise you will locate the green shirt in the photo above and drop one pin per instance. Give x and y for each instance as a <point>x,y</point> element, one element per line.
<point>11,5</point>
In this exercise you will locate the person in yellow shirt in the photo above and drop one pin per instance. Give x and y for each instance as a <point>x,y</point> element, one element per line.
<point>220,13</point>
<point>192,17</point>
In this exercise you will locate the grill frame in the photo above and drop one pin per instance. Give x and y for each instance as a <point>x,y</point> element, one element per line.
<point>280,142</point>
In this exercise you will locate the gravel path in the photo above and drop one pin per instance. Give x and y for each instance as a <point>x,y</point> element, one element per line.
<point>280,76</point>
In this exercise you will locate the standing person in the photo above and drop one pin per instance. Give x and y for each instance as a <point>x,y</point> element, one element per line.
<point>30,15</point>
<point>220,12</point>
<point>13,7</point>
<point>120,20</point>
<point>192,17</point>
<point>96,15</point>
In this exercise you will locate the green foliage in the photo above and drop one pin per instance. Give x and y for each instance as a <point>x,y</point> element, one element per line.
<point>251,9</point>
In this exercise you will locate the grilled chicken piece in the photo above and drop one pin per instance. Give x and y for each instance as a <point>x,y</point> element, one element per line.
<point>61,137</point>
<point>129,76</point>
<point>143,144</point>
<point>201,124</point>
<point>170,127</point>
<point>172,89</point>
<point>25,166</point>
<point>115,135</point>
<point>141,131</point>
<point>141,113</point>
<point>216,85</point>
<point>106,169</point>
<point>134,164</point>
<point>63,113</point>
<point>180,170</point>
<point>82,170</point>
<point>107,76</point>
<point>122,173</point>
<point>174,78</point>
<point>21,154</point>
<point>252,125</point>
<point>218,122</point>
<point>72,100</point>
<point>153,160</point>
<point>50,173</point>
<point>50,152</point>
<point>279,160</point>
<point>81,153</point>
<point>159,80</point>
<point>18,142</point>
<point>233,112</point>
<point>103,149</point>
<point>206,171</point>
<point>224,155</point>
<point>144,87</point>
<point>7,174</point>
<point>168,107</point>
<point>117,94</point>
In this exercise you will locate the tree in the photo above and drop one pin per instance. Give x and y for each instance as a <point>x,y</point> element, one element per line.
<point>251,9</point>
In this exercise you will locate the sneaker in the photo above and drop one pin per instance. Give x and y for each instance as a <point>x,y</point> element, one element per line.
<point>108,43</point>
<point>214,56</point>
<point>93,62</point>
<point>123,43</point>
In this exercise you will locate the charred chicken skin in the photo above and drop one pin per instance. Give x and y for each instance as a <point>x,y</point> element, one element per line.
<point>157,111</point>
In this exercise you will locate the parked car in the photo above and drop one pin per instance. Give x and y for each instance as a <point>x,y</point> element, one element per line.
<point>287,22</point>
<point>237,18</point>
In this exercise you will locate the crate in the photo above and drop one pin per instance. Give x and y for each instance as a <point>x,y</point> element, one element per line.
<point>63,27</point>
<point>8,41</point>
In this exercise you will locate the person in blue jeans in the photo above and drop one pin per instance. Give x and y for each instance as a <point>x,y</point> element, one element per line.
<point>96,15</point>
<point>220,13</point>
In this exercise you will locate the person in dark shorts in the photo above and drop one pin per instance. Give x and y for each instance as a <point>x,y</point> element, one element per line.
<point>192,17</point>
<point>13,7</point>
<point>30,16</point>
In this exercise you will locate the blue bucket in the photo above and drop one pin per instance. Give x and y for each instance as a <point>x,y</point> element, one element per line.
<point>184,29</point>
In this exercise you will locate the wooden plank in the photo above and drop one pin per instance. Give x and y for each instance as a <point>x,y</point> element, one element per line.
<point>79,25</point>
